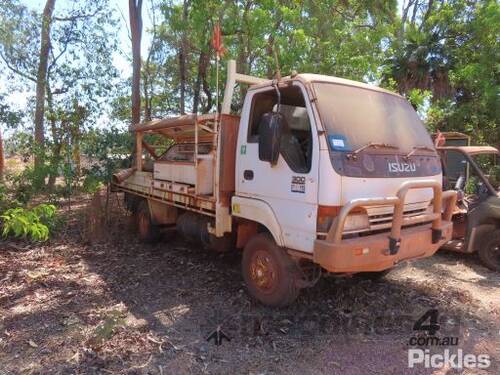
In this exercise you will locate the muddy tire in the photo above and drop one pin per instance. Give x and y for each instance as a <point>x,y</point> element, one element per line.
<point>269,273</point>
<point>146,230</point>
<point>489,251</point>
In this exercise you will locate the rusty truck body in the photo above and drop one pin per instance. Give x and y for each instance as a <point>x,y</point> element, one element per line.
<point>318,174</point>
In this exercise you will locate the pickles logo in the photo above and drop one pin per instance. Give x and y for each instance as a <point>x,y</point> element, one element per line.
<point>397,167</point>
<point>424,349</point>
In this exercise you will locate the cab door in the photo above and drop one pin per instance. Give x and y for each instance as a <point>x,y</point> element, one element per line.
<point>290,187</point>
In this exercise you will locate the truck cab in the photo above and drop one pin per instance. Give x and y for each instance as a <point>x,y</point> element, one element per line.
<point>318,174</point>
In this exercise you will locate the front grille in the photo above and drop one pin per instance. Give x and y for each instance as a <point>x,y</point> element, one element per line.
<point>382,221</point>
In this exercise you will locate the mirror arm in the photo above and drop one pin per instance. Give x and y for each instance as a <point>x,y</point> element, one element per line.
<point>278,94</point>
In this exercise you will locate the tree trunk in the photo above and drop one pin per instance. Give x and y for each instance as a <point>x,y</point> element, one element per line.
<point>41,78</point>
<point>197,85</point>
<point>147,95</point>
<point>206,86</point>
<point>182,58</point>
<point>56,147</point>
<point>79,115</point>
<point>2,157</point>
<point>135,9</point>
<point>203,63</point>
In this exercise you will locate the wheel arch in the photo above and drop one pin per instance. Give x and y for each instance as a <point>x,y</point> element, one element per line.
<point>478,235</point>
<point>260,212</point>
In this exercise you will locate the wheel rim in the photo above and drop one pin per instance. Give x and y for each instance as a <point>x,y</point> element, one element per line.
<point>264,272</point>
<point>143,224</point>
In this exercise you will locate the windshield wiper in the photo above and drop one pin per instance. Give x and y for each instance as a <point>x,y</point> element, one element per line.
<point>354,153</point>
<point>416,148</point>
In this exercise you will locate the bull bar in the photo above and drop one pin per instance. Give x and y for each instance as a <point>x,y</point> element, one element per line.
<point>381,251</point>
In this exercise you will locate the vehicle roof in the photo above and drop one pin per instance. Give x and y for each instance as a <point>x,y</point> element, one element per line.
<point>310,78</point>
<point>472,150</point>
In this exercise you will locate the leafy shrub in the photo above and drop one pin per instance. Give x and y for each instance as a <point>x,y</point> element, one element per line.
<point>27,183</point>
<point>6,199</point>
<point>471,185</point>
<point>91,184</point>
<point>34,223</point>
<point>494,174</point>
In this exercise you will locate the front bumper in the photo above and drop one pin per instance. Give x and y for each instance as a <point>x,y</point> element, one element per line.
<point>381,251</point>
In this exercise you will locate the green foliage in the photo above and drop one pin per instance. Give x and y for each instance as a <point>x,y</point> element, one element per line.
<point>107,151</point>
<point>80,77</point>
<point>91,183</point>
<point>10,118</point>
<point>441,55</point>
<point>471,185</point>
<point>494,175</point>
<point>450,49</point>
<point>34,223</point>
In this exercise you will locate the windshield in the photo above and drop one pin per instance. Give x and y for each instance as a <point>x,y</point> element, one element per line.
<point>488,163</point>
<point>355,116</point>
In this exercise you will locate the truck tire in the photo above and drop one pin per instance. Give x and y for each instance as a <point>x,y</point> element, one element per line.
<point>269,273</point>
<point>489,251</point>
<point>147,231</point>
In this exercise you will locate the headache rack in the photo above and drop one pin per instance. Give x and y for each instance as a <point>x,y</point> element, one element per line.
<point>203,184</point>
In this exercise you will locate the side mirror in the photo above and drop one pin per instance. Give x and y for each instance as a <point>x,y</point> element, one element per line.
<point>270,129</point>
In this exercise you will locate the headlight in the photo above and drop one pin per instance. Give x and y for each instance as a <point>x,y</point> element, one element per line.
<point>356,222</point>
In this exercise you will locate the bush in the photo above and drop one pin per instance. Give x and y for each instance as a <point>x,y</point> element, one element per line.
<point>27,183</point>
<point>35,223</point>
<point>91,184</point>
<point>494,174</point>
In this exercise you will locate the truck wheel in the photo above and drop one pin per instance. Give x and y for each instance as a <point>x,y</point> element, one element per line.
<point>269,273</point>
<point>489,252</point>
<point>148,232</point>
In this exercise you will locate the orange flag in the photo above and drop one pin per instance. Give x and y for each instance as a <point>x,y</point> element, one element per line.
<point>440,139</point>
<point>217,41</point>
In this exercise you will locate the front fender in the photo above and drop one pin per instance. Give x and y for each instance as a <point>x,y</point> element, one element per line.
<point>259,211</point>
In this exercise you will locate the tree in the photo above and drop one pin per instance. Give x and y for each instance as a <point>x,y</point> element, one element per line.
<point>79,74</point>
<point>337,38</point>
<point>450,49</point>
<point>135,15</point>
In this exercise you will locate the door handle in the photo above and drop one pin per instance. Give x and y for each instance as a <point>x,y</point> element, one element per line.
<point>248,174</point>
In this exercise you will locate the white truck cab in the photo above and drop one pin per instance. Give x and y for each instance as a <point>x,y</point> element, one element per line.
<point>319,173</point>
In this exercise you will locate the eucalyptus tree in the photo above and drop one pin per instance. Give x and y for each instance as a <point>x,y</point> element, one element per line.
<point>79,75</point>
<point>135,17</point>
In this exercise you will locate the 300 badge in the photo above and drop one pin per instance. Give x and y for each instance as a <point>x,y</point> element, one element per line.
<point>298,184</point>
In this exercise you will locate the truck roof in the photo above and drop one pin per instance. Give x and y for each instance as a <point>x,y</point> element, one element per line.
<point>310,78</point>
<point>471,150</point>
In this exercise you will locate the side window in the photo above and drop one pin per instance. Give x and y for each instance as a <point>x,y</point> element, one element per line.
<point>455,166</point>
<point>296,140</point>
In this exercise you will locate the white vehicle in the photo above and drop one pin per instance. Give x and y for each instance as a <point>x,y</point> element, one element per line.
<point>318,174</point>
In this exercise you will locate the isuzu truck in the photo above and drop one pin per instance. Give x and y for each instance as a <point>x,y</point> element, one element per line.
<point>317,175</point>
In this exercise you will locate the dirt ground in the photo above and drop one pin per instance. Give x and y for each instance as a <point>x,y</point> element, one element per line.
<point>123,307</point>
